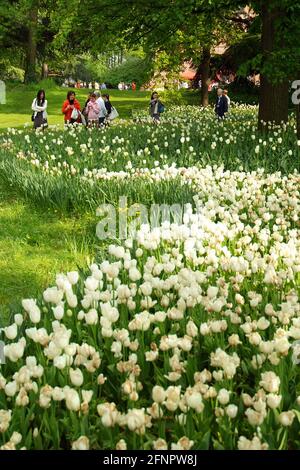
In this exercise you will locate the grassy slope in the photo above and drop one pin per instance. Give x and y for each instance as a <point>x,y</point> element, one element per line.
<point>17,110</point>
<point>34,246</point>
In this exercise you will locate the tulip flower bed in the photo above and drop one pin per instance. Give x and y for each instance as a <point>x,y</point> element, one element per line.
<point>78,168</point>
<point>184,337</point>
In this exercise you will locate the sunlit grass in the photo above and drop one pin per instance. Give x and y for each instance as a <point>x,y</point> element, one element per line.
<point>35,245</point>
<point>17,110</point>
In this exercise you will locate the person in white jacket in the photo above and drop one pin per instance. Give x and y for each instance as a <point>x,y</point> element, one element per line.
<point>39,108</point>
<point>225,93</point>
<point>103,110</point>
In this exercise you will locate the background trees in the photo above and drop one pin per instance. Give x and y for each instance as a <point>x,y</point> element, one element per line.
<point>26,35</point>
<point>36,33</point>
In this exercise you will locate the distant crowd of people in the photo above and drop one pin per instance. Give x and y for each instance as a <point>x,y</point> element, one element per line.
<point>98,110</point>
<point>122,86</point>
<point>70,83</point>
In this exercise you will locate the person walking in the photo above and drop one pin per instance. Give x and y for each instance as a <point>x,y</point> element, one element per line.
<point>107,104</point>
<point>85,110</point>
<point>221,107</point>
<point>156,107</point>
<point>71,109</point>
<point>93,110</point>
<point>39,108</point>
<point>102,109</point>
<point>111,111</point>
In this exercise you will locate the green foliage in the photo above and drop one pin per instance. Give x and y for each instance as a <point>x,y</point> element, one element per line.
<point>281,60</point>
<point>10,72</point>
<point>241,53</point>
<point>181,29</point>
<point>134,69</point>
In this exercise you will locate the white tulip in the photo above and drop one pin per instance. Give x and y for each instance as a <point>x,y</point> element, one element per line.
<point>18,318</point>
<point>82,443</point>
<point>76,377</point>
<point>231,411</point>
<point>91,317</point>
<point>11,331</point>
<point>223,396</point>
<point>58,312</point>
<point>72,399</point>
<point>158,394</point>
<point>73,277</point>
<point>11,388</point>
<point>273,401</point>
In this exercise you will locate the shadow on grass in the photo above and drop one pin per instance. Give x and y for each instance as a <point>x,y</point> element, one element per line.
<point>34,246</point>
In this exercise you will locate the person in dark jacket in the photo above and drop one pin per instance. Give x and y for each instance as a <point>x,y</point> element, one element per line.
<point>221,107</point>
<point>156,107</point>
<point>108,107</point>
<point>108,104</point>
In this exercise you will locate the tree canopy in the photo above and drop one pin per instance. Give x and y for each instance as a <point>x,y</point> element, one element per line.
<point>36,32</point>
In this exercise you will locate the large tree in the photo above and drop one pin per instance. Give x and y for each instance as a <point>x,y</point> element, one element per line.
<point>27,31</point>
<point>185,29</point>
<point>158,22</point>
<point>281,57</point>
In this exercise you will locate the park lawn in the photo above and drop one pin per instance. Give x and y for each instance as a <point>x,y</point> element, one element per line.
<point>35,245</point>
<point>17,110</point>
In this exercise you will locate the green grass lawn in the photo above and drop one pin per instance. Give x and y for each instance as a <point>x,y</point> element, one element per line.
<point>34,246</point>
<point>17,110</point>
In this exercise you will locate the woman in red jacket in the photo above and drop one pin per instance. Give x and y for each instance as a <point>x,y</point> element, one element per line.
<point>68,107</point>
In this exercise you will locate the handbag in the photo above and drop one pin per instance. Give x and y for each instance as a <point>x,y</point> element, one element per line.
<point>33,114</point>
<point>83,119</point>
<point>113,114</point>
<point>75,114</point>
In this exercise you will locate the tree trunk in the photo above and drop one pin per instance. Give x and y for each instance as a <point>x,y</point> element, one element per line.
<point>274,97</point>
<point>45,70</point>
<point>205,76</point>
<point>31,47</point>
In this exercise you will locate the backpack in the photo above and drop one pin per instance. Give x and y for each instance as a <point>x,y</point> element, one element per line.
<point>161,108</point>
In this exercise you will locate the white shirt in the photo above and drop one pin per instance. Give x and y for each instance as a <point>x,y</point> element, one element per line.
<point>38,109</point>
<point>101,104</point>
